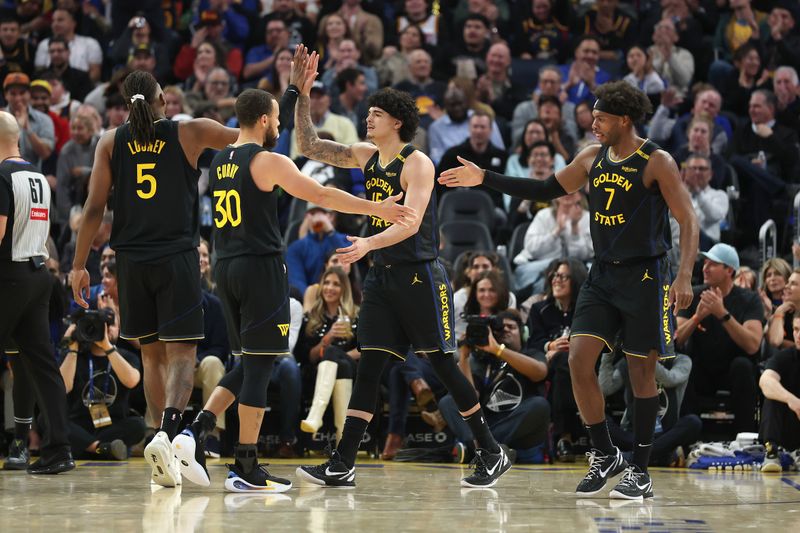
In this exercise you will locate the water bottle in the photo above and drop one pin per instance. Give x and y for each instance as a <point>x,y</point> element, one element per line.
<point>502,250</point>
<point>565,332</point>
<point>205,211</point>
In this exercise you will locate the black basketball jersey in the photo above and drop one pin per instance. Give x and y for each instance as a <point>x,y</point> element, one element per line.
<point>245,217</point>
<point>383,182</point>
<point>628,220</point>
<point>155,202</point>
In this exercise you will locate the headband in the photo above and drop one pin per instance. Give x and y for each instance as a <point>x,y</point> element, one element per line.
<point>607,107</point>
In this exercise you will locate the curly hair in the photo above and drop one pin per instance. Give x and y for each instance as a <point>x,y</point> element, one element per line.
<point>401,106</point>
<point>626,98</point>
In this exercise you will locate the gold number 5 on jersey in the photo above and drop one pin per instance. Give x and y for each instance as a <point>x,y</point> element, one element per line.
<point>141,177</point>
<point>231,211</point>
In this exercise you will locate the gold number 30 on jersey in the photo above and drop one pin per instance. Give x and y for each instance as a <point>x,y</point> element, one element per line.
<point>228,207</point>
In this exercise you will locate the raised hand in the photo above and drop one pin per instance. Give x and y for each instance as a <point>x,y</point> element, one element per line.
<point>298,64</point>
<point>390,211</point>
<point>310,74</point>
<point>354,252</point>
<point>467,175</point>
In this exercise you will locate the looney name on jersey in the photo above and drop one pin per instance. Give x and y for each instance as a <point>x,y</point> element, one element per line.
<point>154,147</point>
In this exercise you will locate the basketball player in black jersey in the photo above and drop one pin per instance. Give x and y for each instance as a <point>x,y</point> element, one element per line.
<point>407,296</point>
<point>151,163</point>
<point>632,183</point>
<point>251,274</point>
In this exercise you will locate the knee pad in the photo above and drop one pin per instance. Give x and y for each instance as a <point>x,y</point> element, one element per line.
<point>368,380</point>
<point>256,370</point>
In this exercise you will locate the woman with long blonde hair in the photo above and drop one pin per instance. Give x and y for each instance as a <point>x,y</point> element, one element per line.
<point>328,341</point>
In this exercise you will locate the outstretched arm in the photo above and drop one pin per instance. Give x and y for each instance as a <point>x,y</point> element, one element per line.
<point>565,181</point>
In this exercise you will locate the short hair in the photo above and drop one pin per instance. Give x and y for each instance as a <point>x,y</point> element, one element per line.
<point>626,98</point>
<point>401,106</point>
<point>513,314</point>
<point>546,144</point>
<point>550,99</point>
<point>791,70</point>
<point>58,39</point>
<point>348,75</point>
<point>115,100</point>
<point>586,37</point>
<point>481,113</point>
<point>553,68</point>
<point>705,119</point>
<point>480,18</point>
<point>696,155</point>
<point>7,19</point>
<point>769,96</point>
<point>251,105</point>
<point>743,50</point>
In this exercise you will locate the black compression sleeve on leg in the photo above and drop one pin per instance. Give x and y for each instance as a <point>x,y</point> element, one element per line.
<point>525,188</point>
<point>232,381</point>
<point>256,370</point>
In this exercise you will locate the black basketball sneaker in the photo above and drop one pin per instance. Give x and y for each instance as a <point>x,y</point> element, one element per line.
<point>634,485</point>
<point>332,473</point>
<point>601,469</point>
<point>488,468</point>
<point>257,480</point>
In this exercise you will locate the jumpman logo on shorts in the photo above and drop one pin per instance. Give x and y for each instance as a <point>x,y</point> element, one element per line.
<point>646,275</point>
<point>416,279</point>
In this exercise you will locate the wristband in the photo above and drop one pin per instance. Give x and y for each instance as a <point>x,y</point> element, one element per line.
<point>725,318</point>
<point>499,350</point>
<point>110,350</point>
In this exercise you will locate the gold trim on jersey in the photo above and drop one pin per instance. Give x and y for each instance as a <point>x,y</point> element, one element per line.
<point>366,348</point>
<point>594,337</point>
<point>248,352</point>
<point>399,157</point>
<point>638,151</point>
<point>127,338</point>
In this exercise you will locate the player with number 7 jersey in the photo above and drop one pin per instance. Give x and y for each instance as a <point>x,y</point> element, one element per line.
<point>151,163</point>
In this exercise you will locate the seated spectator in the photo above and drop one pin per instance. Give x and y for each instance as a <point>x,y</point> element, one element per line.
<point>218,90</point>
<point>394,65</point>
<point>539,32</point>
<point>139,32</point>
<point>746,278</point>
<point>584,121</point>
<point>37,135</point>
<point>540,165</point>
<point>495,87</point>
<point>699,134</point>
<point>18,53</point>
<point>478,264</point>
<point>534,132</point>
<point>560,231</point>
<point>739,26</point>
<point>348,56</point>
<point>260,60</point>
<point>509,380</point>
<point>772,281</point>
<point>614,30</point>
<point>209,29</point>
<point>721,331</point>
<point>41,97</point>
<point>674,64</point>
<point>710,205</point>
<point>671,132</point>
<point>116,111</point>
<point>352,100</point>
<point>672,431</point>
<point>366,29</point>
<point>549,84</point>
<point>301,29</point>
<point>142,57</point>
<point>428,93</point>
<point>452,128</point>
<point>75,167</point>
<point>176,102</point>
<point>97,98</point>
<point>580,77</point>
<point>418,12</point>
<point>465,58</point>
<point>780,414</point>
<point>332,260</point>
<point>642,74</point>
<point>779,328</point>
<point>747,77</point>
<point>234,21</point>
<point>550,322</point>
<point>550,115</point>
<point>333,29</point>
<point>84,52</point>
<point>305,257</point>
<point>478,148</point>
<point>787,90</point>
<point>781,43</point>
<point>99,377</point>
<point>342,129</point>
<point>328,345</point>
<point>61,100</point>
<point>277,79</point>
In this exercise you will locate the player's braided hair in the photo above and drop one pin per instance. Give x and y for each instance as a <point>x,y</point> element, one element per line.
<point>626,98</point>
<point>139,90</point>
<point>401,106</point>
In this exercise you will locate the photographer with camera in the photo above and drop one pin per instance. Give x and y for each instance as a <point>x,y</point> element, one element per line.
<point>98,378</point>
<point>509,381</point>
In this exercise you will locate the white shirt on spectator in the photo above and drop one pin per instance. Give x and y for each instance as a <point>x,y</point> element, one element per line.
<point>540,244</point>
<point>83,52</point>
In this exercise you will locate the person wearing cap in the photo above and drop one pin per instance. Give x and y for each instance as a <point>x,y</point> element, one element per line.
<point>41,98</point>
<point>721,331</point>
<point>342,129</point>
<point>305,257</point>
<point>26,285</point>
<point>85,52</point>
<point>140,32</point>
<point>208,28</point>
<point>37,136</point>
<point>142,57</point>
<point>76,81</point>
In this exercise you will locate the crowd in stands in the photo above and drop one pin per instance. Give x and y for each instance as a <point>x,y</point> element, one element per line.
<point>506,84</point>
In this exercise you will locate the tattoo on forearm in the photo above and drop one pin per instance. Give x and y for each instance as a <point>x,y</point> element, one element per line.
<point>311,146</point>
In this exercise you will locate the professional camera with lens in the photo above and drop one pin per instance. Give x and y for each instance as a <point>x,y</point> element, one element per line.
<point>90,324</point>
<point>478,327</point>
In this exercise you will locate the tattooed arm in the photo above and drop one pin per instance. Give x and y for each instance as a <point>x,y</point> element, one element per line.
<point>331,152</point>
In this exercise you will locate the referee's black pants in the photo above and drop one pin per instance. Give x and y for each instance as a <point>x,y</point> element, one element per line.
<point>24,303</point>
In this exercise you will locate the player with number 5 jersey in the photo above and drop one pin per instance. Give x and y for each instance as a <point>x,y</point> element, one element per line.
<point>151,163</point>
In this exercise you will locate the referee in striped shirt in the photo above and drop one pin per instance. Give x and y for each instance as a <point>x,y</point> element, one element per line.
<point>25,285</point>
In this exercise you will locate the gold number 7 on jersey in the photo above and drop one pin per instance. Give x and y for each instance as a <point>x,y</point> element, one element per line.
<point>141,178</point>
<point>610,192</point>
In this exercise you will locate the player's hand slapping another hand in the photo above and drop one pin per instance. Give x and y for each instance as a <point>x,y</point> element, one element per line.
<point>390,211</point>
<point>360,247</point>
<point>467,175</point>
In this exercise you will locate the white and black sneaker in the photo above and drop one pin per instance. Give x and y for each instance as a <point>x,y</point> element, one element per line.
<point>601,469</point>
<point>332,473</point>
<point>634,485</point>
<point>488,468</point>
<point>159,455</point>
<point>191,457</point>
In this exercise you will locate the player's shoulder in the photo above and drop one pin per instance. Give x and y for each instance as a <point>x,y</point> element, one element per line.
<point>419,158</point>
